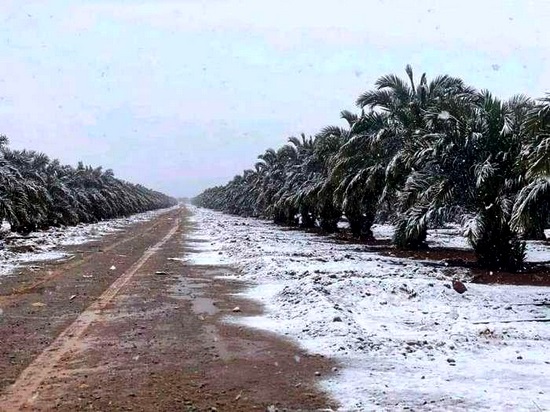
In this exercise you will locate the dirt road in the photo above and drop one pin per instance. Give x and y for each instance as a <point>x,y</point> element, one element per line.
<point>127,325</point>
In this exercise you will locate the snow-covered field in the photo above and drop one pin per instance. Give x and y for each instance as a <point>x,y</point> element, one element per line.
<point>404,338</point>
<point>44,245</point>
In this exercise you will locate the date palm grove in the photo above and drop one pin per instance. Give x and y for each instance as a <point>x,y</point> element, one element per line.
<point>419,153</point>
<point>38,193</point>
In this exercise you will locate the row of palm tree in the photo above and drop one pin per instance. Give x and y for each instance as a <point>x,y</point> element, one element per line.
<point>419,154</point>
<point>38,193</point>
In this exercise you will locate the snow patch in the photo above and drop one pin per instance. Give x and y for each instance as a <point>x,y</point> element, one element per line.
<point>404,337</point>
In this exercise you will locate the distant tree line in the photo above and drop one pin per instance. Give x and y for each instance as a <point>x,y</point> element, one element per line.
<point>418,154</point>
<point>38,193</point>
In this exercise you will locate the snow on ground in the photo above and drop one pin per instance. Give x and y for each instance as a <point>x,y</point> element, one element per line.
<point>404,338</point>
<point>452,237</point>
<point>44,245</point>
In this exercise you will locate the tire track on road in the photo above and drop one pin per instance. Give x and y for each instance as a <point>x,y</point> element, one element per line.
<point>26,388</point>
<point>56,273</point>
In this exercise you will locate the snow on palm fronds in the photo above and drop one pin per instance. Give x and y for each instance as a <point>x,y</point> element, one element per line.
<point>38,193</point>
<point>419,154</point>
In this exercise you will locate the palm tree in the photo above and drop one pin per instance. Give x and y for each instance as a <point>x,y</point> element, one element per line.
<point>358,173</point>
<point>327,144</point>
<point>463,164</point>
<point>405,103</point>
<point>300,181</point>
<point>281,209</point>
<point>532,204</point>
<point>31,213</point>
<point>13,193</point>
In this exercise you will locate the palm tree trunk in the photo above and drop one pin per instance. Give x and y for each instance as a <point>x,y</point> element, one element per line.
<point>308,219</point>
<point>410,235</point>
<point>366,226</point>
<point>329,217</point>
<point>497,246</point>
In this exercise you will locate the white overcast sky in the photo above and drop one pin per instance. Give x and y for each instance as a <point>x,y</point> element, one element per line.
<point>181,95</point>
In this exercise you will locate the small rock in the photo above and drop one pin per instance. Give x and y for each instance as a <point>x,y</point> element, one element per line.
<point>317,373</point>
<point>458,286</point>
<point>113,267</point>
<point>451,360</point>
<point>519,357</point>
<point>236,309</point>
<point>337,319</point>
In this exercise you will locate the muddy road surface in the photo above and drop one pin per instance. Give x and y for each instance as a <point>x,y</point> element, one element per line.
<point>127,325</point>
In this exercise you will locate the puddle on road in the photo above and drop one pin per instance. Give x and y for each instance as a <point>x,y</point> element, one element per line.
<point>191,291</point>
<point>204,305</point>
<point>194,285</point>
<point>199,279</point>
